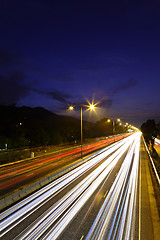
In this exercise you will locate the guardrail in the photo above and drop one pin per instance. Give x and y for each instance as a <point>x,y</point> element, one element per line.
<point>153,165</point>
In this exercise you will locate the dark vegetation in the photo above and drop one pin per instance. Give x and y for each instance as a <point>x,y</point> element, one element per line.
<point>150,131</point>
<point>33,127</point>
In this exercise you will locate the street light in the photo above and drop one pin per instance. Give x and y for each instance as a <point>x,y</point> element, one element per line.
<point>90,107</point>
<point>114,124</point>
<point>71,108</point>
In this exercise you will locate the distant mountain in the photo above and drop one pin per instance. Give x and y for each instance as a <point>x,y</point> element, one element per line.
<point>32,127</point>
<point>23,112</point>
<point>26,126</point>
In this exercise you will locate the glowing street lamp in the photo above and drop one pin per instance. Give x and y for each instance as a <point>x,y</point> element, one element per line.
<point>90,107</point>
<point>71,108</point>
<point>114,123</point>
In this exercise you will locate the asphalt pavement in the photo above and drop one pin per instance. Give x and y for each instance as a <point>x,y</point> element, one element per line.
<point>111,195</point>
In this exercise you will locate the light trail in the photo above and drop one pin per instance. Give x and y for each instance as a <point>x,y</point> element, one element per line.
<point>73,200</point>
<point>20,211</point>
<point>14,175</point>
<point>81,192</point>
<point>157,142</point>
<point>117,213</point>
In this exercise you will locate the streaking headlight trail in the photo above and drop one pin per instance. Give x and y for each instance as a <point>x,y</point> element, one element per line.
<point>114,220</point>
<point>116,215</point>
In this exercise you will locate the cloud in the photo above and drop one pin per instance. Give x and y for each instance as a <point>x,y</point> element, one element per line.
<point>121,87</point>
<point>56,95</point>
<point>12,88</point>
<point>64,99</point>
<point>102,99</point>
<point>106,103</point>
<point>59,96</point>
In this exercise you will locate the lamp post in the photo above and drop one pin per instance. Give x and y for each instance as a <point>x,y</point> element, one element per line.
<point>81,134</point>
<point>114,124</point>
<point>91,107</point>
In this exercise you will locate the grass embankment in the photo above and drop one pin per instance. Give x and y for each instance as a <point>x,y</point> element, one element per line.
<point>14,155</point>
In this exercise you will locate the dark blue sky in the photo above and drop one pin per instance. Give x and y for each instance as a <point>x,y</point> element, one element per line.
<point>54,52</point>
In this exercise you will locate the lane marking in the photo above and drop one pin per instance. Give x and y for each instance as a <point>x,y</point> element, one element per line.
<point>82,237</point>
<point>105,194</point>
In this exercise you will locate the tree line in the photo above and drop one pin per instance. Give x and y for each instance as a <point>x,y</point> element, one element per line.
<point>150,130</point>
<point>32,127</point>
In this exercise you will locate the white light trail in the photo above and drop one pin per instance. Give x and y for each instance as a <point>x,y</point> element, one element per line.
<point>80,193</point>
<point>64,221</point>
<point>157,141</point>
<point>20,211</point>
<point>120,199</point>
<point>116,216</point>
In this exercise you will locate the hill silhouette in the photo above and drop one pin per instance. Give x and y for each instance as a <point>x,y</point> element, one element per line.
<point>26,126</point>
<point>32,127</point>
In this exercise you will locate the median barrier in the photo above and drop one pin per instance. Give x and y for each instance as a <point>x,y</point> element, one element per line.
<point>23,193</point>
<point>15,197</point>
<point>2,203</point>
<point>9,200</point>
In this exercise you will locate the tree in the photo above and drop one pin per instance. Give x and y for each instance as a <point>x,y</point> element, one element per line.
<point>149,130</point>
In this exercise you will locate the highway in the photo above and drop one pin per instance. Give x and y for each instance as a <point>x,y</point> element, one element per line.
<point>157,143</point>
<point>103,198</point>
<point>18,174</point>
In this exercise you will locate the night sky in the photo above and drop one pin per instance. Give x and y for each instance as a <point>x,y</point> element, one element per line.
<point>54,53</point>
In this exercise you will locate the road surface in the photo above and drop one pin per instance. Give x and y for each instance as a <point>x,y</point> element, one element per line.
<point>110,196</point>
<point>17,175</point>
